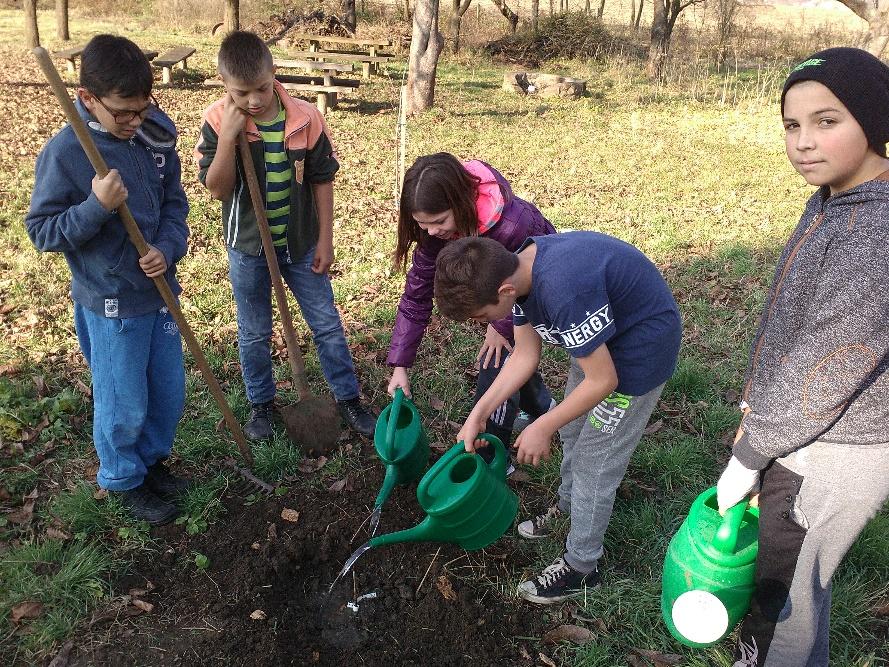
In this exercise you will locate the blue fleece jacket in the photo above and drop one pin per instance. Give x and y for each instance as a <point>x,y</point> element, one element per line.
<point>65,215</point>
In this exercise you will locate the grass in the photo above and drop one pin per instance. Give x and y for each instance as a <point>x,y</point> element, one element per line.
<point>692,172</point>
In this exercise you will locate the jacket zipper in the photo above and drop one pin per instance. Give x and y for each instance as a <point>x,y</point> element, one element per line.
<point>815,223</point>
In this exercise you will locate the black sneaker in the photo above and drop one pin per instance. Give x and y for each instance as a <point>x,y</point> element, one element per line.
<point>541,525</point>
<point>163,483</point>
<point>259,426</point>
<point>146,506</point>
<point>357,416</point>
<point>557,583</point>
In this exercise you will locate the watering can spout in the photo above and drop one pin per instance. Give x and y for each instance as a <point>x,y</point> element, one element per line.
<point>423,532</point>
<point>389,482</point>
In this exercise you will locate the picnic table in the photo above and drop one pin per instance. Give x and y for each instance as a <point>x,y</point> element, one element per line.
<point>325,84</point>
<point>71,55</point>
<point>368,51</point>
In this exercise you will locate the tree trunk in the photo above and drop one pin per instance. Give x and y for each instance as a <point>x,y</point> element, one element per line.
<point>458,9</point>
<point>510,15</point>
<point>406,8</point>
<point>62,20</point>
<point>601,11</point>
<point>535,15</point>
<point>877,16</point>
<point>426,46</point>
<point>660,38</point>
<point>232,15</point>
<point>550,7</point>
<point>32,35</point>
<point>350,20</point>
<point>638,15</point>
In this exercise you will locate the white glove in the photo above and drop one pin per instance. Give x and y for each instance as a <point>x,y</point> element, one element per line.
<point>736,482</point>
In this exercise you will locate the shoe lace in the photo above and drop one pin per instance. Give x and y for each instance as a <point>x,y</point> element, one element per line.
<point>541,520</point>
<point>353,410</point>
<point>553,573</point>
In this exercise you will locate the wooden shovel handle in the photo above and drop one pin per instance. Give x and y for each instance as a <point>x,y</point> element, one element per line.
<point>135,234</point>
<point>294,354</point>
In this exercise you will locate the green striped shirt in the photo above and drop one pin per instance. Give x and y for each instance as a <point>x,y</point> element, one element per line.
<point>277,176</point>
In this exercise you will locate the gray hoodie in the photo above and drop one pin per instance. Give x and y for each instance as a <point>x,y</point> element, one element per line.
<point>818,365</point>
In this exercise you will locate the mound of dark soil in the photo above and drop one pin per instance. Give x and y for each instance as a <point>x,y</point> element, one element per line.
<point>263,599</point>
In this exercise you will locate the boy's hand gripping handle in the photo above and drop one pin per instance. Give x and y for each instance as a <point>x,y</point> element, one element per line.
<point>135,234</point>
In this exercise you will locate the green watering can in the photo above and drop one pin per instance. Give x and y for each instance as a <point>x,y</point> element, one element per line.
<point>402,446</point>
<point>708,571</point>
<point>465,499</point>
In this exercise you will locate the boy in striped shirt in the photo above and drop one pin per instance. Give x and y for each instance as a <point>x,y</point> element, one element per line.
<point>296,163</point>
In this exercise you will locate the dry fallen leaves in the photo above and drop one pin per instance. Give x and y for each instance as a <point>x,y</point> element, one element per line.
<point>338,485</point>
<point>290,515</point>
<point>572,633</point>
<point>546,660</point>
<point>147,607</point>
<point>258,615</point>
<point>443,584</point>
<point>26,609</point>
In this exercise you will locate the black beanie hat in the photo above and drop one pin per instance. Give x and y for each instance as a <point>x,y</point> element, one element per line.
<point>859,80</point>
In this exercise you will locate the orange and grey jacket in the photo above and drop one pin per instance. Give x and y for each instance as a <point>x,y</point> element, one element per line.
<point>819,365</point>
<point>312,160</point>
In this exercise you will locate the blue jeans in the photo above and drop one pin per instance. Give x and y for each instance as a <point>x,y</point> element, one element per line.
<point>252,288</point>
<point>138,391</point>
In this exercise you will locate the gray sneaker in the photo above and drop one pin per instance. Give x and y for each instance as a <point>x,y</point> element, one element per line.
<point>541,525</point>
<point>523,418</point>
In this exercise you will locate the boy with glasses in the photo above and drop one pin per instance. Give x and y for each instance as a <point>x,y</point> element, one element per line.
<point>125,332</point>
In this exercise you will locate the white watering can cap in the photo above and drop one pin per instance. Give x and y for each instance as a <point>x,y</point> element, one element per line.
<point>700,617</point>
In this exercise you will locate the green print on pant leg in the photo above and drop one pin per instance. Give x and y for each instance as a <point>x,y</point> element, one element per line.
<point>606,415</point>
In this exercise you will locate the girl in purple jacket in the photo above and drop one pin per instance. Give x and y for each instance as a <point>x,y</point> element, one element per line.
<point>443,199</point>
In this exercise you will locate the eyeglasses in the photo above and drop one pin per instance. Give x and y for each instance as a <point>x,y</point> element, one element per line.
<point>127,115</point>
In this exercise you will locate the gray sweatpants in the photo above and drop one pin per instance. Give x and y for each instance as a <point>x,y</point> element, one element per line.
<point>813,505</point>
<point>596,449</point>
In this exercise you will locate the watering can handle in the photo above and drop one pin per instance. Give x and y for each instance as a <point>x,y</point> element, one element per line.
<point>726,538</point>
<point>498,463</point>
<point>394,412</point>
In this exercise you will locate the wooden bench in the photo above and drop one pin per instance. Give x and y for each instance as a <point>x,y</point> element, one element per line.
<point>71,55</point>
<point>368,62</point>
<point>326,77</point>
<point>176,56</point>
<point>326,92</point>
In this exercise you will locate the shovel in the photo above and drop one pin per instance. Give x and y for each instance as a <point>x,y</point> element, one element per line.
<point>98,162</point>
<point>314,422</point>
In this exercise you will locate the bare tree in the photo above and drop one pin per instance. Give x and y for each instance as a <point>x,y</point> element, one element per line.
<point>350,20</point>
<point>876,13</point>
<point>426,46</point>
<point>510,15</point>
<point>62,20</point>
<point>664,20</point>
<point>601,11</point>
<point>32,35</point>
<point>458,9</point>
<point>406,8</point>
<point>726,10</point>
<point>232,15</point>
<point>535,15</point>
<point>638,15</point>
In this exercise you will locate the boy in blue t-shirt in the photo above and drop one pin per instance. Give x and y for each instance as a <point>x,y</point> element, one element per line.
<point>607,304</point>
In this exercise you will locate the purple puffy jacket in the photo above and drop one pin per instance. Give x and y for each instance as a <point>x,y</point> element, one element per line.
<point>518,220</point>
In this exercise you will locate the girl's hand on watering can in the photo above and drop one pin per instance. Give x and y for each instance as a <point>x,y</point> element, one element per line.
<point>399,379</point>
<point>736,482</point>
<point>495,346</point>
<point>153,262</point>
<point>110,190</point>
<point>533,444</point>
<point>468,435</point>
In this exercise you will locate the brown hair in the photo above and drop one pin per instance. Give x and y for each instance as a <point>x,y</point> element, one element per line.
<point>244,56</point>
<point>435,184</point>
<point>468,275</point>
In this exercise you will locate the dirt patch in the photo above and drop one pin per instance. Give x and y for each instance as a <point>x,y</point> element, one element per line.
<point>263,599</point>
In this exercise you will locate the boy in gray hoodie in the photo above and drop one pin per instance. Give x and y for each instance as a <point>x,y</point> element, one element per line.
<point>816,396</point>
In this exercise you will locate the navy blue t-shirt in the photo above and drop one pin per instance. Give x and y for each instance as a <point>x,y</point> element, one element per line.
<point>588,289</point>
